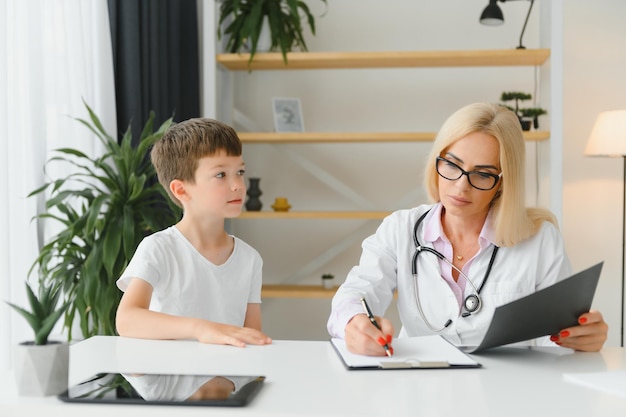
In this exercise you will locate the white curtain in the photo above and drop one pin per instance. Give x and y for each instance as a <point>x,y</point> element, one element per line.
<point>53,55</point>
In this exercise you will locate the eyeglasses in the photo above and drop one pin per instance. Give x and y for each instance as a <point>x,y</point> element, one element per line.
<point>480,180</point>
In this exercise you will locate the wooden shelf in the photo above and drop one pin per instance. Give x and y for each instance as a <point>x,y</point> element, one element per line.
<point>391,59</point>
<point>358,137</point>
<point>314,214</point>
<point>297,291</point>
<point>300,291</point>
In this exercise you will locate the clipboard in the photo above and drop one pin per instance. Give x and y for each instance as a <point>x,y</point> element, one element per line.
<point>424,352</point>
<point>542,313</point>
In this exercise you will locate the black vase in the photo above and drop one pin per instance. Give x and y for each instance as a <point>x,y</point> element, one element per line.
<point>254,192</point>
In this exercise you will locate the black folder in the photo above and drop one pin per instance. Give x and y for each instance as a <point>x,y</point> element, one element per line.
<point>542,313</point>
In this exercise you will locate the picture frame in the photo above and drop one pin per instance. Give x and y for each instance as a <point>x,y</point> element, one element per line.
<point>287,114</point>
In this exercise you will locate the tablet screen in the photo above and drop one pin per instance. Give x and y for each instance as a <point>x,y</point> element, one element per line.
<point>169,389</point>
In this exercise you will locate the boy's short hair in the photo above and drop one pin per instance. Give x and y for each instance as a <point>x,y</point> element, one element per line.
<point>176,154</point>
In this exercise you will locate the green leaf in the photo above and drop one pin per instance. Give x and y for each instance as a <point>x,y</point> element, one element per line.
<point>102,210</point>
<point>243,19</point>
<point>44,313</point>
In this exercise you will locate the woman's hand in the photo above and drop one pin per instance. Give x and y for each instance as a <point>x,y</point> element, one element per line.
<point>363,338</point>
<point>588,336</point>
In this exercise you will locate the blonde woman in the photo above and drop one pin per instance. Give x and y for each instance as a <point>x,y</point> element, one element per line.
<point>482,247</point>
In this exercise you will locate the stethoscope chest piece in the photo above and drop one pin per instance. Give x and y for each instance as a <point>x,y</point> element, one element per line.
<point>472,304</point>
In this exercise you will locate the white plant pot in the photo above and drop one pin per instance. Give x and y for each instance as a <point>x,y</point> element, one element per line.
<point>41,370</point>
<point>264,43</point>
<point>265,37</point>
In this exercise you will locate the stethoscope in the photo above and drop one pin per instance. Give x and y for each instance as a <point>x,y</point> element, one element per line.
<point>472,302</point>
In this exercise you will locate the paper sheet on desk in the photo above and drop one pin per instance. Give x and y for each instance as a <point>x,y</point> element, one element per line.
<point>543,313</point>
<point>613,382</point>
<point>425,352</point>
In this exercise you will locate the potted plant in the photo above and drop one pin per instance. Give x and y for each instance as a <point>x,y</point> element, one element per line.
<point>284,18</point>
<point>105,208</point>
<point>327,281</point>
<point>515,96</point>
<point>533,114</point>
<point>41,365</point>
<point>527,116</point>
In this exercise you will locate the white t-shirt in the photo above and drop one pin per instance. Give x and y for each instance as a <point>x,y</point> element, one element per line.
<point>175,387</point>
<point>187,284</point>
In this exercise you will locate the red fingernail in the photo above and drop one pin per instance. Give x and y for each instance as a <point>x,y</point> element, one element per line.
<point>389,338</point>
<point>554,338</point>
<point>564,333</point>
<point>381,341</point>
<point>582,320</point>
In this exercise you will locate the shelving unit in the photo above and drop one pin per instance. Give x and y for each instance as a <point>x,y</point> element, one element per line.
<point>398,59</point>
<point>314,215</point>
<point>358,137</point>
<point>297,291</point>
<point>361,60</point>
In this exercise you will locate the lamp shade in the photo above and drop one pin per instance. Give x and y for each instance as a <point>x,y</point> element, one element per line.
<point>608,136</point>
<point>492,15</point>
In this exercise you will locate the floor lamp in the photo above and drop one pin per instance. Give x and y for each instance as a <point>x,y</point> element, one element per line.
<point>608,138</point>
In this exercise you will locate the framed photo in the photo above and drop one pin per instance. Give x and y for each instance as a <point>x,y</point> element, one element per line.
<point>287,114</point>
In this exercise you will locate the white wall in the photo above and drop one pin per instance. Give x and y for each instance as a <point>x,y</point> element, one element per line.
<point>594,80</point>
<point>592,61</point>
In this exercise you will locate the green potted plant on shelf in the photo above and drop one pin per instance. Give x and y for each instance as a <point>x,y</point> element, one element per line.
<point>41,365</point>
<point>104,209</point>
<point>527,116</point>
<point>533,113</point>
<point>244,21</point>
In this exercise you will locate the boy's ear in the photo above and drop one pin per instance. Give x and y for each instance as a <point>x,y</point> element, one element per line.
<point>177,187</point>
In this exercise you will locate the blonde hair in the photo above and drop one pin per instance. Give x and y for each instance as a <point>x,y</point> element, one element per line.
<point>514,222</point>
<point>176,154</point>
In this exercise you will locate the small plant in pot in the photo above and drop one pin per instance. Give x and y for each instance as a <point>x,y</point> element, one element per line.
<point>527,116</point>
<point>244,21</point>
<point>41,365</point>
<point>533,113</point>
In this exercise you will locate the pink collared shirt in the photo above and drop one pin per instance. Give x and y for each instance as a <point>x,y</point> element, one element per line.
<point>434,234</point>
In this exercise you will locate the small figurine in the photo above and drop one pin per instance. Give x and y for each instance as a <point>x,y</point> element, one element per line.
<point>281,204</point>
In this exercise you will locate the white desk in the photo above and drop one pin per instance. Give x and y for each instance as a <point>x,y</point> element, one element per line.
<point>308,379</point>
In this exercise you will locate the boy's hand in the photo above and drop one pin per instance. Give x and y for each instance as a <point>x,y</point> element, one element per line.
<point>225,334</point>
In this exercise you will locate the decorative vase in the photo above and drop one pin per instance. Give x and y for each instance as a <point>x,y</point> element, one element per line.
<point>41,370</point>
<point>536,122</point>
<point>254,192</point>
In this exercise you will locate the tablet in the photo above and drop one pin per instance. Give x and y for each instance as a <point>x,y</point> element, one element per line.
<point>166,389</point>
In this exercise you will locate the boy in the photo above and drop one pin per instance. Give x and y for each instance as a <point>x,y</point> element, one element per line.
<point>193,280</point>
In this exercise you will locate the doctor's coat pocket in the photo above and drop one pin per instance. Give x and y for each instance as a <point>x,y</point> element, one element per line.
<point>499,293</point>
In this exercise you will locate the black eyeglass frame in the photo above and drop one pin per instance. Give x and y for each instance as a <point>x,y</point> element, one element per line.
<point>496,177</point>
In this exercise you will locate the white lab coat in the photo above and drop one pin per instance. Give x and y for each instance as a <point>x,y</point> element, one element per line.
<point>385,266</point>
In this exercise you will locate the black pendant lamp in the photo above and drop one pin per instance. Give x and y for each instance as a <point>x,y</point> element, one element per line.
<point>492,15</point>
